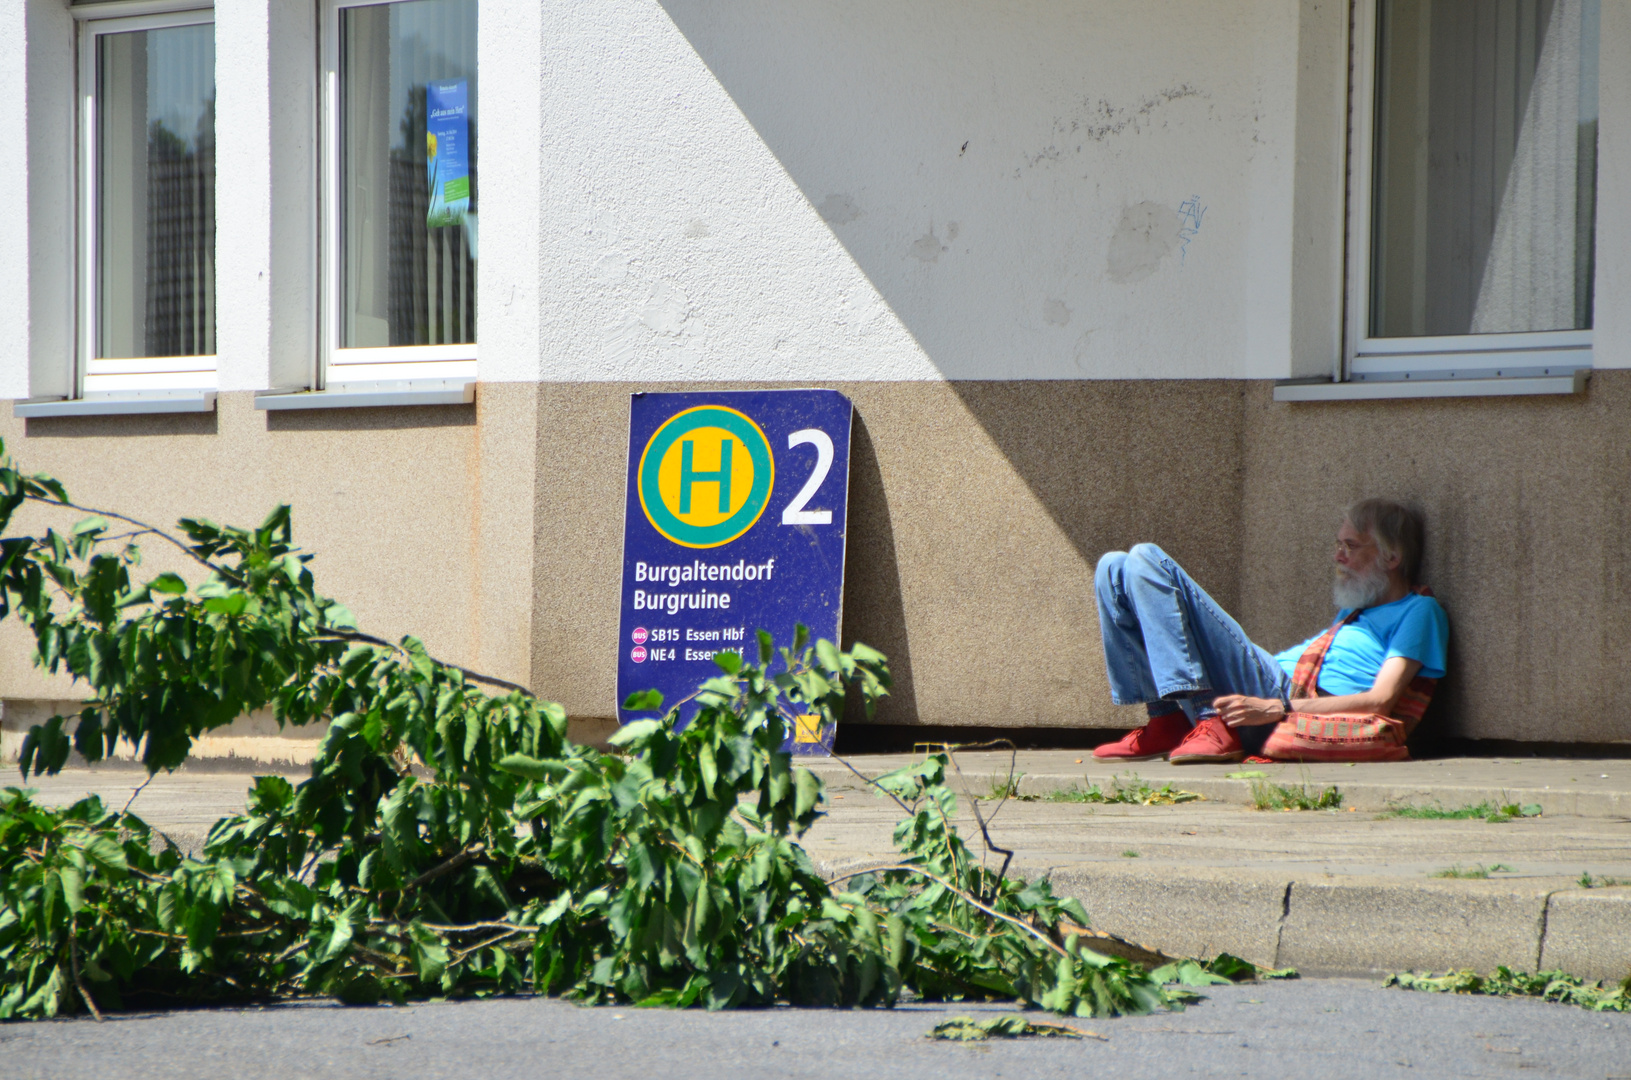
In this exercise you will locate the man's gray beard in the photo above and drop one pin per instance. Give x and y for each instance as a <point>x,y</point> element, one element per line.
<point>1359,590</point>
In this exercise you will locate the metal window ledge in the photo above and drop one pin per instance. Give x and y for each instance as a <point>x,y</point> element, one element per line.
<point>179,401</point>
<point>372,395</point>
<point>1568,383</point>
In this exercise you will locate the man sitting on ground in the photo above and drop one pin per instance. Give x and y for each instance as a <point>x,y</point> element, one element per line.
<point>1212,695</point>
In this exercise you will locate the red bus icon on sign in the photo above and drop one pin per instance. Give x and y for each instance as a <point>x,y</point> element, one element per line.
<point>638,654</point>
<point>639,635</point>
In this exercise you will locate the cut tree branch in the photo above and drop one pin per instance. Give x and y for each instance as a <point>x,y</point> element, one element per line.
<point>967,899</point>
<point>442,869</point>
<point>335,633</point>
<point>73,957</point>
<point>974,803</point>
<point>185,547</point>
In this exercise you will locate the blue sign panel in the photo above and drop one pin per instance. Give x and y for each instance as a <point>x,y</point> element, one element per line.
<point>735,523</point>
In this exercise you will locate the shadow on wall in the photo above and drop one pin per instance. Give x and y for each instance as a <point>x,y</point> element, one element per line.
<point>873,611</point>
<point>402,418</point>
<point>991,173</point>
<point>1010,178</point>
<point>1116,463</point>
<point>121,427</point>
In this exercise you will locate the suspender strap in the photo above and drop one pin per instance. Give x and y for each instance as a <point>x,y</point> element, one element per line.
<point>1305,677</point>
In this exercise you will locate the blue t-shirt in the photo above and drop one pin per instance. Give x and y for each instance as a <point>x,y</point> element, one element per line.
<point>1415,628</point>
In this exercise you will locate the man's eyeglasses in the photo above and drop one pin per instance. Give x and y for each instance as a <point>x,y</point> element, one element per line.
<point>1353,547</point>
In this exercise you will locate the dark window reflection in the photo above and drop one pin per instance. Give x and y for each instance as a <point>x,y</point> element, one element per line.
<point>405,282</point>
<point>155,190</point>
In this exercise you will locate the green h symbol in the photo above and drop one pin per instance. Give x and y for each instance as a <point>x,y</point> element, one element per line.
<point>721,475</point>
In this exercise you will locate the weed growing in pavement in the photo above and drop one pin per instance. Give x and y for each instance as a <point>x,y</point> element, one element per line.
<point>1504,982</point>
<point>1131,791</point>
<point>1129,854</point>
<point>1271,796</point>
<point>1586,881</point>
<point>1478,873</point>
<point>1491,811</point>
<point>1002,790</point>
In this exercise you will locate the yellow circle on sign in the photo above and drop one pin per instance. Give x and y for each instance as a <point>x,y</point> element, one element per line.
<point>692,476</point>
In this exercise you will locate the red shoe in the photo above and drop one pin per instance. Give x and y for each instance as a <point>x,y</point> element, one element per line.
<point>1212,742</point>
<point>1149,742</point>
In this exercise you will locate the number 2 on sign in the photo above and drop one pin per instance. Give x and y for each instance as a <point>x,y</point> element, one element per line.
<point>795,514</point>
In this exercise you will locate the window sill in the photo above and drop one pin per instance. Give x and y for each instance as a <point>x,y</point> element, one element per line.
<point>372,395</point>
<point>1512,386</point>
<point>180,401</point>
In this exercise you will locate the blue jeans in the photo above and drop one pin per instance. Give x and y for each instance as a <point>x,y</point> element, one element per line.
<point>1169,646</point>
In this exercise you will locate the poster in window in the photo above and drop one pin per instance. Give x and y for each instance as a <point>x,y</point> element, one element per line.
<point>447,152</point>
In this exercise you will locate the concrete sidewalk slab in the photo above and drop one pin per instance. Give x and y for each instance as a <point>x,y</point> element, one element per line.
<point>1587,787</point>
<point>1202,912</point>
<point>1330,892</point>
<point>1372,927</point>
<point>1588,930</point>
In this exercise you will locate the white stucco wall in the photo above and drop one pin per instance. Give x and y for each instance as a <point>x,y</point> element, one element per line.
<point>14,271</point>
<point>510,49</point>
<point>265,191</point>
<point>1611,336</point>
<point>36,266</point>
<point>923,189</point>
<point>815,189</point>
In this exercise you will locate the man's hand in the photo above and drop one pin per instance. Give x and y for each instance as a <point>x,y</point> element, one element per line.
<point>1238,710</point>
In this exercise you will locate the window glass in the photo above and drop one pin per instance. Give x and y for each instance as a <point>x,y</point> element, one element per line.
<point>408,174</point>
<point>155,192</point>
<point>1486,166</point>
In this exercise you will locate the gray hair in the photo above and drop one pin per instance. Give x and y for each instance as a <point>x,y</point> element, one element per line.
<point>1396,528</point>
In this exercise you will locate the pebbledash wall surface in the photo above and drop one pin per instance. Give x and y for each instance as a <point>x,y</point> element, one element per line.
<point>968,217</point>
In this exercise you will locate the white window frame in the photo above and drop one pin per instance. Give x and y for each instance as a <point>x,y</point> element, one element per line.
<point>174,383</point>
<point>338,368</point>
<point>1545,355</point>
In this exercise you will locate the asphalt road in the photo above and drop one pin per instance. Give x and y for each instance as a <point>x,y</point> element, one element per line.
<point>1305,1029</point>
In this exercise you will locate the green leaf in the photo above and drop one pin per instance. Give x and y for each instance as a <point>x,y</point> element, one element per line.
<point>827,653</point>
<point>168,583</point>
<point>1187,973</point>
<point>532,768</point>
<point>73,889</point>
<point>807,792</point>
<point>105,852</point>
<point>556,908</point>
<point>232,604</point>
<point>338,940</point>
<point>634,736</point>
<point>643,700</point>
<point>1232,967</point>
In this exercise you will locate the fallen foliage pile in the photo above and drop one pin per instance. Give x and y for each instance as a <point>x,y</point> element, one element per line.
<point>1505,982</point>
<point>452,841</point>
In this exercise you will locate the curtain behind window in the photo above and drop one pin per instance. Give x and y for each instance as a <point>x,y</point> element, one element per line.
<point>155,193</point>
<point>1486,145</point>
